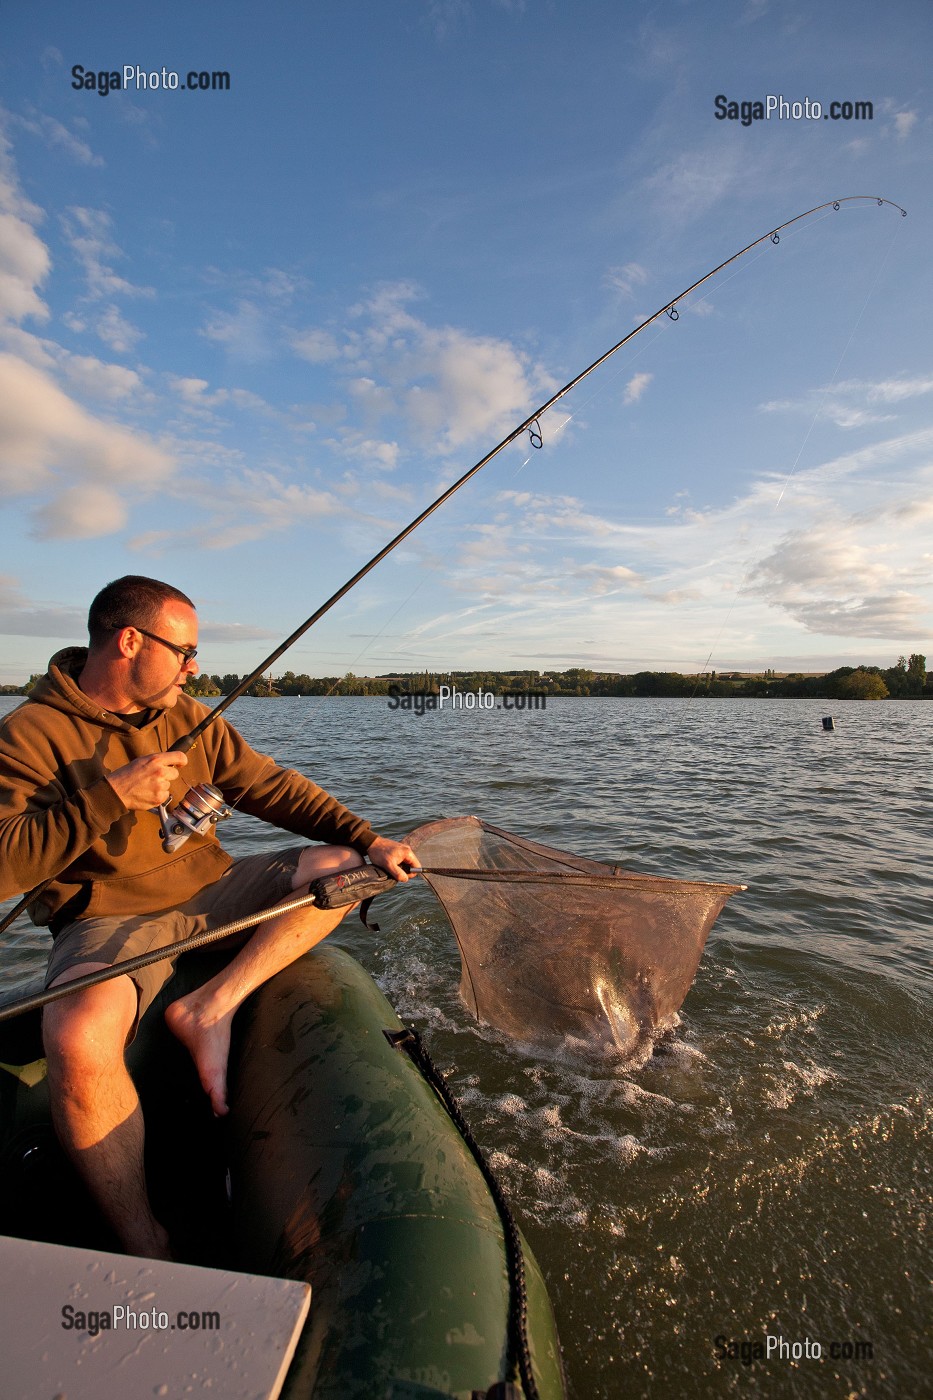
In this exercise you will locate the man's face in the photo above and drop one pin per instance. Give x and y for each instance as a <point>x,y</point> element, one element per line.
<point>157,672</point>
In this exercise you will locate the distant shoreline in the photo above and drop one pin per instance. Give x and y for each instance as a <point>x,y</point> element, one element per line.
<point>906,680</point>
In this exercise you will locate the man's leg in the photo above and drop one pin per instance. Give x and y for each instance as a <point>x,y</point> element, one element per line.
<point>203,1019</point>
<point>95,1107</point>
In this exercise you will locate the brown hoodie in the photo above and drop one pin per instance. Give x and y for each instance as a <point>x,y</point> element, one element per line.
<point>60,817</point>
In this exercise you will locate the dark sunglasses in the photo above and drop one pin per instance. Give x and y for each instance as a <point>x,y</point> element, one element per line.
<point>187,653</point>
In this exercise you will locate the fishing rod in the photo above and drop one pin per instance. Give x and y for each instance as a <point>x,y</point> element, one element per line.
<point>209,803</point>
<point>530,425</point>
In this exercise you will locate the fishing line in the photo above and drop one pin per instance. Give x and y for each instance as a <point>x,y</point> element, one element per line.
<point>602,388</point>
<point>821,405</point>
<point>753,560</point>
<point>664,326</point>
<point>530,425</point>
<point>376,635</point>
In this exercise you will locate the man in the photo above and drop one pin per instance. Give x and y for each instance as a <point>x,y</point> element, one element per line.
<point>82,764</point>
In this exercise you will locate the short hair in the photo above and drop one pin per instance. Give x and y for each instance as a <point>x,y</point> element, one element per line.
<point>131,601</point>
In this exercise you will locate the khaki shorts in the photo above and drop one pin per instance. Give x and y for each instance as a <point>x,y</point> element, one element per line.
<point>245,887</point>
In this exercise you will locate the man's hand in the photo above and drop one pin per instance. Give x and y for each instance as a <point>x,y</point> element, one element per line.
<point>393,856</point>
<point>147,782</point>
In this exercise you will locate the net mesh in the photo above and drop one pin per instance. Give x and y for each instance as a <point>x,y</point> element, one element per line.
<point>555,947</point>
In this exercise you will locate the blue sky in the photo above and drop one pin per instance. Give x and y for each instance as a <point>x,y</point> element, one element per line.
<point>248,334</point>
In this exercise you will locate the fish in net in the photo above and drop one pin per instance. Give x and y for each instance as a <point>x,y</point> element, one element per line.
<point>555,947</point>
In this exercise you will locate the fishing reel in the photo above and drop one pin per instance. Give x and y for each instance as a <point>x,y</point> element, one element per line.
<point>201,808</point>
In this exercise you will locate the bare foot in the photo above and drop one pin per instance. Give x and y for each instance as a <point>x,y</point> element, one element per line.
<point>150,1243</point>
<point>207,1039</point>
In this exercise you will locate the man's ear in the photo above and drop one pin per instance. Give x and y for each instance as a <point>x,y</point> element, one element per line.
<point>128,642</point>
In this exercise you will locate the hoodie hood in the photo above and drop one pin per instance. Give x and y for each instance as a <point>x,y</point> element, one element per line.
<point>60,690</point>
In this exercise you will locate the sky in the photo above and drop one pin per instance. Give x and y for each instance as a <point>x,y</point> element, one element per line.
<point>249,332</point>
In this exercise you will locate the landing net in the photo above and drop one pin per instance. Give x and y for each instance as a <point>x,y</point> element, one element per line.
<point>555,947</point>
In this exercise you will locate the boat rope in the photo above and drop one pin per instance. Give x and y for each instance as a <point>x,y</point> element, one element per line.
<point>519,1352</point>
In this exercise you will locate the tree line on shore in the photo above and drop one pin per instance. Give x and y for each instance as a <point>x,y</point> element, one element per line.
<point>906,680</point>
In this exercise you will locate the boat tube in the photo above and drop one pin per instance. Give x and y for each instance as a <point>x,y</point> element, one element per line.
<point>348,1172</point>
<point>345,1171</point>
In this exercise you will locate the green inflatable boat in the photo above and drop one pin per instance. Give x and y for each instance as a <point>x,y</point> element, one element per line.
<point>338,1165</point>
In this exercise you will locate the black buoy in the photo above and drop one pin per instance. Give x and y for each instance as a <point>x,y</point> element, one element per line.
<point>829,722</point>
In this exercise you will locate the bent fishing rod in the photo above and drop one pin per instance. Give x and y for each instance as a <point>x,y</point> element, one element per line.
<point>209,804</point>
<point>530,425</point>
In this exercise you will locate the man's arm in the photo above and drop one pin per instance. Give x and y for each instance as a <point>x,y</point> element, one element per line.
<point>43,828</point>
<point>287,799</point>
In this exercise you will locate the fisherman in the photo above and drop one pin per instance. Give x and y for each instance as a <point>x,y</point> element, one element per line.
<point>82,764</point>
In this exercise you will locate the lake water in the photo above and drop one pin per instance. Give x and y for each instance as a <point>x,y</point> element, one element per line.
<point>768,1170</point>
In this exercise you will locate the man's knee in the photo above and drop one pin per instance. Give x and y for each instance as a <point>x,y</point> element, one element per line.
<point>316,861</point>
<point>90,1026</point>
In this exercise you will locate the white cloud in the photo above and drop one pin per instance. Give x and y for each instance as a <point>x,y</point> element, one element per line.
<point>904,123</point>
<point>863,572</point>
<point>845,403</point>
<point>626,279</point>
<point>24,265</point>
<point>469,387</point>
<point>892,617</point>
<point>80,513</point>
<point>851,576</point>
<point>84,374</point>
<point>381,456</point>
<point>194,390</point>
<point>24,258</point>
<point>49,443</point>
<point>244,333</point>
<point>693,182</point>
<point>845,417</point>
<point>55,134</point>
<point>447,16</point>
<point>450,387</point>
<point>115,330</point>
<point>611,578</point>
<point>376,400</point>
<point>825,557</point>
<point>88,375</point>
<point>233,632</point>
<point>89,233</point>
<point>22,617</point>
<point>248,506</point>
<point>636,387</point>
<point>197,394</point>
<point>888,390</point>
<point>317,346</point>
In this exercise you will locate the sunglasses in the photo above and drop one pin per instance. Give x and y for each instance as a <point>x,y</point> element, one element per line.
<point>186,653</point>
